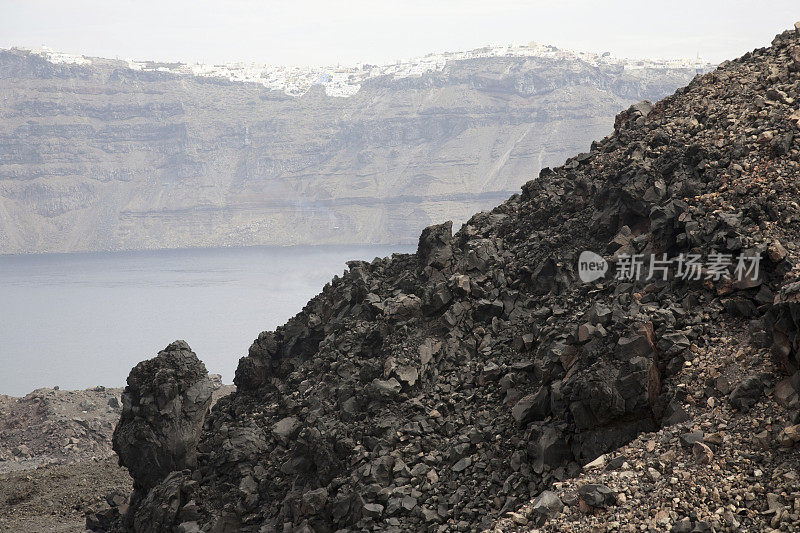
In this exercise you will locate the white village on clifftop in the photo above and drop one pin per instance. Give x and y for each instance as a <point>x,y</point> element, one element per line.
<point>344,81</point>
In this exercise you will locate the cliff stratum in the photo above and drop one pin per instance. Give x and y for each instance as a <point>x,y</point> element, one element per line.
<point>109,155</point>
<point>464,387</point>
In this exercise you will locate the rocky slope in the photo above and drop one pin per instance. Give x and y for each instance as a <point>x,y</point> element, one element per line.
<point>464,387</point>
<point>99,156</point>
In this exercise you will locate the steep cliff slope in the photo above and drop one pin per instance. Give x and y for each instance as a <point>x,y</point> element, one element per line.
<point>102,157</point>
<point>442,390</point>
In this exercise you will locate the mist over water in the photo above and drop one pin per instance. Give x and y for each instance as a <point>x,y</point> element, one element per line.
<point>79,320</point>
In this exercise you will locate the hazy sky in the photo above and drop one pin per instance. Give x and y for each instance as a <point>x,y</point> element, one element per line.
<point>379,31</point>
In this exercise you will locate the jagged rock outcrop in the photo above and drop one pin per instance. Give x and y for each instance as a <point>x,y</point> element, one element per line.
<point>163,408</point>
<point>87,151</point>
<point>440,391</point>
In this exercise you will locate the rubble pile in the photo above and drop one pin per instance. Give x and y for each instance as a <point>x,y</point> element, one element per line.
<point>481,384</point>
<point>54,426</point>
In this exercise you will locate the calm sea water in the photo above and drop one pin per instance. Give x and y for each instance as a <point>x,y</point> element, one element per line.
<point>79,320</point>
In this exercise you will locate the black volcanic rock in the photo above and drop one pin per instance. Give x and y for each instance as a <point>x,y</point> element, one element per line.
<point>784,324</point>
<point>441,390</point>
<point>163,409</point>
<point>435,246</point>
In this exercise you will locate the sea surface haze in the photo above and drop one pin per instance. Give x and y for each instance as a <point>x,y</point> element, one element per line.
<point>80,320</point>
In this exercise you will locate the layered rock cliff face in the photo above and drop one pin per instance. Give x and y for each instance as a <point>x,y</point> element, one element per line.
<point>440,391</point>
<point>101,157</point>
